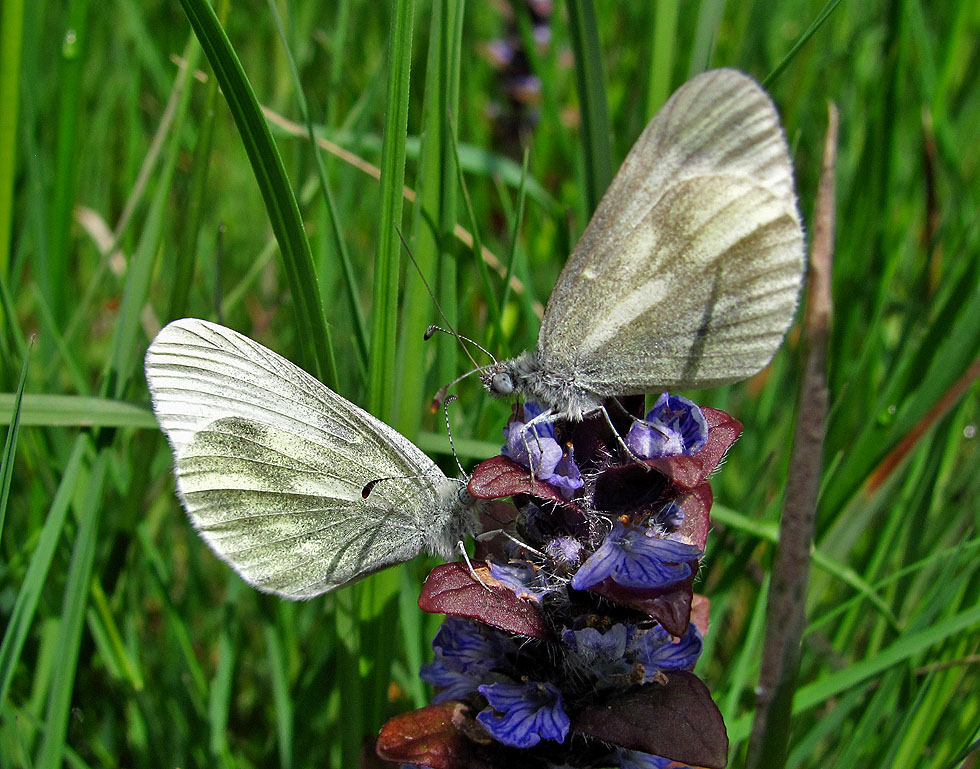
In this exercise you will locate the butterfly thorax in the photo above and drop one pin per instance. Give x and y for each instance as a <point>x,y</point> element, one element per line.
<point>563,393</point>
<point>457,515</point>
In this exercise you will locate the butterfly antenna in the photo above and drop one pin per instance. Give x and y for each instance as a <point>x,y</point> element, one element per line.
<point>434,300</point>
<point>433,328</point>
<point>440,396</point>
<point>449,432</point>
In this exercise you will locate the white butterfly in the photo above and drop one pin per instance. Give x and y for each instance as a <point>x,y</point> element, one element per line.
<point>689,272</point>
<point>271,466</point>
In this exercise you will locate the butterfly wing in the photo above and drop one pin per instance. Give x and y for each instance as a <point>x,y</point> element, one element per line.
<point>689,272</point>
<point>271,464</point>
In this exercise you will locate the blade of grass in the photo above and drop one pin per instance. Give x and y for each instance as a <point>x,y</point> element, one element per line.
<point>125,345</point>
<point>10,444</point>
<point>660,78</point>
<point>11,32</point>
<point>77,585</point>
<point>25,606</point>
<point>384,310</point>
<point>818,22</point>
<point>186,256</point>
<point>489,295</point>
<point>270,173</point>
<point>350,283</point>
<point>433,218</point>
<point>52,270</point>
<point>280,695</point>
<point>41,410</point>
<point>591,87</point>
<point>833,684</point>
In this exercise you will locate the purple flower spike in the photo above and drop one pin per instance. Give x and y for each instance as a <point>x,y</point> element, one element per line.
<point>674,426</point>
<point>657,650</point>
<point>634,759</point>
<point>524,714</point>
<point>634,559</point>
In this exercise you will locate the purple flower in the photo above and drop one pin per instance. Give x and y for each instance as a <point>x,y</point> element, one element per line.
<point>603,654</point>
<point>463,655</point>
<point>672,516</point>
<point>464,648</point>
<point>634,759</point>
<point>521,577</point>
<point>564,552</point>
<point>675,425</point>
<point>537,449</point>
<point>634,559</point>
<point>521,715</point>
<point>567,477</point>
<point>657,650</point>
<point>452,684</point>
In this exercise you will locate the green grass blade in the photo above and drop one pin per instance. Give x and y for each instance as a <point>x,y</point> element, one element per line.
<point>10,444</point>
<point>11,32</point>
<point>489,293</point>
<point>384,310</point>
<point>25,606</point>
<point>332,378</point>
<point>591,86</point>
<point>836,683</point>
<point>270,173</point>
<point>705,34</point>
<point>803,39</point>
<point>75,411</point>
<point>664,16</point>
<point>123,360</point>
<point>52,272</point>
<point>186,257</point>
<point>433,219</point>
<point>77,587</point>
<point>280,695</point>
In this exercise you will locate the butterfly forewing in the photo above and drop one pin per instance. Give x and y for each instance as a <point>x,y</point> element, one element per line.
<point>689,272</point>
<point>271,464</point>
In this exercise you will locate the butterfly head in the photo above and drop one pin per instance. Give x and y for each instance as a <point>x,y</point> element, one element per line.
<point>509,376</point>
<point>499,383</point>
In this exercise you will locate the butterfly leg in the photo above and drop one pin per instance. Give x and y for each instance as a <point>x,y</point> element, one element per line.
<point>619,438</point>
<point>543,418</point>
<point>511,537</point>
<point>469,564</point>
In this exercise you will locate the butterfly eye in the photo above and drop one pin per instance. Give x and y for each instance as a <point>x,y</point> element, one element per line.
<point>502,384</point>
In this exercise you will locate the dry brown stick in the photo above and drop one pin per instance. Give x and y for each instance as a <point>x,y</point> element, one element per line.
<point>785,614</point>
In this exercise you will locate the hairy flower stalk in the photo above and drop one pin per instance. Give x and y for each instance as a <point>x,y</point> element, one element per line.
<point>571,643</point>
